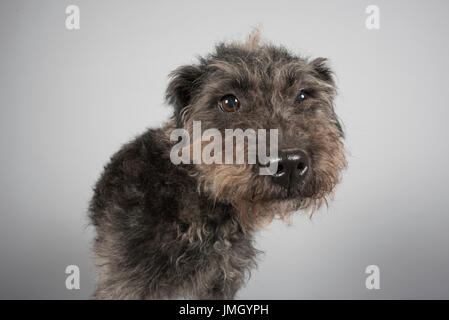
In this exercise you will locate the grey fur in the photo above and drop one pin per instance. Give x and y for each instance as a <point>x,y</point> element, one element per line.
<point>166,231</point>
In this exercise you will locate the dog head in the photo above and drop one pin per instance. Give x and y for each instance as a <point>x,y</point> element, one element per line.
<point>253,86</point>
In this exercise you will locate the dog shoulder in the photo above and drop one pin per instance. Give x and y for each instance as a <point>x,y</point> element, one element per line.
<point>137,177</point>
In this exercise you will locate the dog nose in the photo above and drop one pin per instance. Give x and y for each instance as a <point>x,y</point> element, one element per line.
<point>292,167</point>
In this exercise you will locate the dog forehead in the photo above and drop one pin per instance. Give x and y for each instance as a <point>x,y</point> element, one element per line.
<point>268,52</point>
<point>263,65</point>
<point>263,58</point>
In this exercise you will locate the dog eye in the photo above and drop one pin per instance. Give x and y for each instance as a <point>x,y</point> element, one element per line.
<point>301,96</point>
<point>229,103</point>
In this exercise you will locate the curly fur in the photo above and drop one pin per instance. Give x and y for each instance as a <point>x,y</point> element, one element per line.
<point>167,231</point>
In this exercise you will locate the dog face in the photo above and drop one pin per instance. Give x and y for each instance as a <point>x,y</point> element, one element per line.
<point>260,86</point>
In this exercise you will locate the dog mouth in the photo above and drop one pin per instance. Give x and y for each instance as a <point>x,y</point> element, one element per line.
<point>272,191</point>
<point>291,192</point>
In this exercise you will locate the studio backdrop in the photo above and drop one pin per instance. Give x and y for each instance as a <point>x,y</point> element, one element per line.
<point>78,79</point>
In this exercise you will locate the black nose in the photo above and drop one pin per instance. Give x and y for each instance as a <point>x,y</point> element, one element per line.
<point>293,166</point>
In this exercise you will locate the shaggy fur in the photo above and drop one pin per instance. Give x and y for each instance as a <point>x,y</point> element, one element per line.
<point>170,231</point>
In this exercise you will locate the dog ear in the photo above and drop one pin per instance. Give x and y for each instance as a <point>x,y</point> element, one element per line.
<point>184,81</point>
<point>324,73</point>
<point>322,70</point>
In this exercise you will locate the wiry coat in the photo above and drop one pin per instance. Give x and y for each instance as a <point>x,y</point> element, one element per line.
<point>168,231</point>
<point>157,236</point>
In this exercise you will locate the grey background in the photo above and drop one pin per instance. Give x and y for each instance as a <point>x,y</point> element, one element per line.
<point>69,99</point>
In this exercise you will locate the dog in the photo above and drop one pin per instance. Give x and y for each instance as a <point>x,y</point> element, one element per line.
<point>168,231</point>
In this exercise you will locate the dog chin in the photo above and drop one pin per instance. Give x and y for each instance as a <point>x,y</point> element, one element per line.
<point>282,196</point>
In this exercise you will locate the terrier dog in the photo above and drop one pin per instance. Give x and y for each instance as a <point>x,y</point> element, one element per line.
<point>186,230</point>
